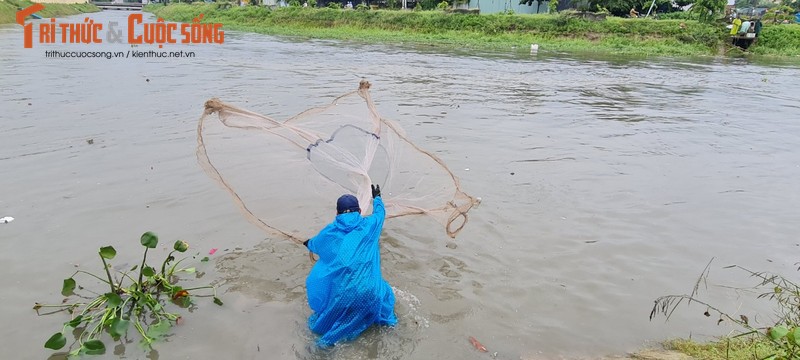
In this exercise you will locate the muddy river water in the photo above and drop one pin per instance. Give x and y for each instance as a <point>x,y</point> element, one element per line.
<point>606,182</point>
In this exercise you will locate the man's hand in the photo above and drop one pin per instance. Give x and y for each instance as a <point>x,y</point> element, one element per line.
<point>376,191</point>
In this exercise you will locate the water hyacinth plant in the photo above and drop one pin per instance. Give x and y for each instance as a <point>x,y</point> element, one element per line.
<point>131,300</point>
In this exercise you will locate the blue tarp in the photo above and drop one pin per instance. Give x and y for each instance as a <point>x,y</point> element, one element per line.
<point>797,18</point>
<point>345,288</point>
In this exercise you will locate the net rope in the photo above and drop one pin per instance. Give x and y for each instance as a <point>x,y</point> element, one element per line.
<point>317,155</point>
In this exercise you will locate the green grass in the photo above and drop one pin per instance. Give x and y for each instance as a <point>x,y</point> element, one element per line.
<point>783,40</point>
<point>561,33</point>
<point>8,9</point>
<point>756,347</point>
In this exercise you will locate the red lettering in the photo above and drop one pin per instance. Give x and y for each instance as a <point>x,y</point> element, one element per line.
<point>134,19</point>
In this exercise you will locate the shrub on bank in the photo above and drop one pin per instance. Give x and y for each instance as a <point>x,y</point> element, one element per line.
<point>779,39</point>
<point>435,21</point>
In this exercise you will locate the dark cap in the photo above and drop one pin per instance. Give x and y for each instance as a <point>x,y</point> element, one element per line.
<point>347,203</point>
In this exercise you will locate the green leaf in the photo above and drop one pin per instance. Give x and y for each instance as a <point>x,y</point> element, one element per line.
<point>55,342</point>
<point>794,336</point>
<point>778,332</point>
<point>69,285</point>
<point>113,300</point>
<point>119,328</point>
<point>149,239</point>
<point>148,271</point>
<point>76,321</point>
<point>217,301</point>
<point>159,329</point>
<point>189,270</point>
<point>181,246</point>
<point>134,267</point>
<point>94,347</point>
<point>108,252</point>
<point>204,259</point>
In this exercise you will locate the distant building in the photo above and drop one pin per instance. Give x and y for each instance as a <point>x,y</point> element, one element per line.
<point>499,6</point>
<point>62,1</point>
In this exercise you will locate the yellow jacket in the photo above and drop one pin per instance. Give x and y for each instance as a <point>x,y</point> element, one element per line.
<point>736,25</point>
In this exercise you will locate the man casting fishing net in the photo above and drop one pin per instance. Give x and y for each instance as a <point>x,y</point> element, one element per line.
<point>345,288</point>
<point>334,148</point>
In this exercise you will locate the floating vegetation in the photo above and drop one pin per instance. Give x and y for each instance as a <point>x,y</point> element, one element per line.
<point>142,303</point>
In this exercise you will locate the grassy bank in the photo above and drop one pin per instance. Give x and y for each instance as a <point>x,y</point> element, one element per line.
<point>614,35</point>
<point>635,36</point>
<point>780,40</point>
<point>726,349</point>
<point>8,9</point>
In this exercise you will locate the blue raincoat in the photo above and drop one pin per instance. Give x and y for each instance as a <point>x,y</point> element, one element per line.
<point>345,288</point>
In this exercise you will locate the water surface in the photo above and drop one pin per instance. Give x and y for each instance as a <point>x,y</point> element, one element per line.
<point>606,182</point>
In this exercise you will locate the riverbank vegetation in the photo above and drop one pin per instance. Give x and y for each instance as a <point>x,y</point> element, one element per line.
<point>463,30</point>
<point>767,336</point>
<point>778,40</point>
<point>8,10</point>
<point>751,347</point>
<point>561,32</point>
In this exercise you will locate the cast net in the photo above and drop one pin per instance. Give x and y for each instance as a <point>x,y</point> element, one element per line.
<point>285,176</point>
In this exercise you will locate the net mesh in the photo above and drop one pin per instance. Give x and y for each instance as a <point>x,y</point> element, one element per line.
<point>285,176</point>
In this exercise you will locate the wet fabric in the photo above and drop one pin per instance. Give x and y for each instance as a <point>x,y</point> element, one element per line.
<point>346,290</point>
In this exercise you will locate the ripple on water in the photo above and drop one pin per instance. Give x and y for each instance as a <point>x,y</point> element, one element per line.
<point>628,175</point>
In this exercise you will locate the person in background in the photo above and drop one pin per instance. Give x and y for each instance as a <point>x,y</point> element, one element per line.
<point>634,13</point>
<point>737,23</point>
<point>744,28</point>
<point>345,288</point>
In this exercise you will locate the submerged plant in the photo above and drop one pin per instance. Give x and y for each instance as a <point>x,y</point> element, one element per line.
<point>141,303</point>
